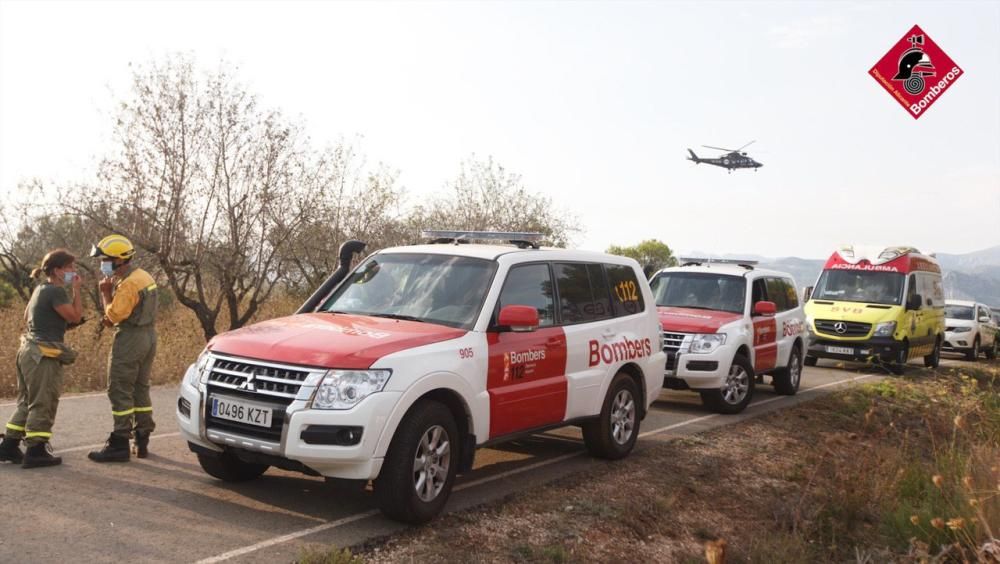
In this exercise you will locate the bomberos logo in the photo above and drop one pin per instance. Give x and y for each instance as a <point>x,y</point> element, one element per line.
<point>916,72</point>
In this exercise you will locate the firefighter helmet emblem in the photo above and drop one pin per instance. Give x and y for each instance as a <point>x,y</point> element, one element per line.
<point>914,65</point>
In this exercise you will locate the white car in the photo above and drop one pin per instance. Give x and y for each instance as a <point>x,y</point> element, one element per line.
<point>399,371</point>
<point>726,324</point>
<point>969,329</point>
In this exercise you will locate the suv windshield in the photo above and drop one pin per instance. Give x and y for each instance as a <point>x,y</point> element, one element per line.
<point>443,289</point>
<point>697,290</point>
<point>860,286</point>
<point>958,312</point>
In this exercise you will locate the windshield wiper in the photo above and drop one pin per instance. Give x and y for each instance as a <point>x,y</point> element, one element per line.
<point>397,316</point>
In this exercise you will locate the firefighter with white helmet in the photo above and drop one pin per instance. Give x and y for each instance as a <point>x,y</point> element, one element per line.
<point>128,296</point>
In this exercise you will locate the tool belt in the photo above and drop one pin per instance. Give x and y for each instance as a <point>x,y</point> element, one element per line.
<point>48,349</point>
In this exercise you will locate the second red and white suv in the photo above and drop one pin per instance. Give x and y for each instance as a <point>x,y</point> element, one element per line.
<point>726,324</point>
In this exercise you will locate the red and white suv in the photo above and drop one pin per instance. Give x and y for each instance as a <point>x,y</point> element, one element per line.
<point>399,371</point>
<point>725,325</point>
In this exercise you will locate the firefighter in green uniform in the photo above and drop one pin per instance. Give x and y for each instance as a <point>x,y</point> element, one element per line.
<point>128,295</point>
<point>40,362</point>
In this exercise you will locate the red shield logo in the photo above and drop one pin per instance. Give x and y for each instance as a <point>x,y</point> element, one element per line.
<point>916,72</point>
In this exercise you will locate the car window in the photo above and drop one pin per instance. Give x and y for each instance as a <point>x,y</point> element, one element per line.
<point>601,292</point>
<point>776,293</point>
<point>626,294</point>
<point>443,289</point>
<point>758,293</point>
<point>791,293</point>
<point>983,312</point>
<point>530,285</point>
<point>577,300</point>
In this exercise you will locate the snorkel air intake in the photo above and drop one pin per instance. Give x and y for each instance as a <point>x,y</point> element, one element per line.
<point>347,252</point>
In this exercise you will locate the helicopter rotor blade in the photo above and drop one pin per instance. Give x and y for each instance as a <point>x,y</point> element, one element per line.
<point>717,148</point>
<point>747,145</point>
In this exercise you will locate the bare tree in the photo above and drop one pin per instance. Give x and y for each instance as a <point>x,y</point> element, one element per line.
<point>359,203</point>
<point>209,183</point>
<point>487,197</point>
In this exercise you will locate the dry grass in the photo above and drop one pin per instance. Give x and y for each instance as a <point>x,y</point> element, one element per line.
<point>180,339</point>
<point>833,480</point>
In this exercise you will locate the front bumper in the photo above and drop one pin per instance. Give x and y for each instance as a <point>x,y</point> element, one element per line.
<point>697,371</point>
<point>957,341</point>
<point>884,349</point>
<point>299,434</point>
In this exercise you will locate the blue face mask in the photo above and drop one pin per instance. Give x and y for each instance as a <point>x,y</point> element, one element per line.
<point>107,268</point>
<point>68,277</point>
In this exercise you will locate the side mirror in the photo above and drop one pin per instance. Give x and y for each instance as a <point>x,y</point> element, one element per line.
<point>807,293</point>
<point>518,318</point>
<point>765,308</point>
<point>914,302</point>
<point>984,319</point>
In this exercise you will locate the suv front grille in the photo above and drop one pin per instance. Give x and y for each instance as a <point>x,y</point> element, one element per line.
<point>850,328</point>
<point>273,385</point>
<point>264,379</point>
<point>672,344</point>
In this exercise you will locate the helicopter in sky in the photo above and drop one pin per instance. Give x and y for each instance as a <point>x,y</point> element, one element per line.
<point>734,158</point>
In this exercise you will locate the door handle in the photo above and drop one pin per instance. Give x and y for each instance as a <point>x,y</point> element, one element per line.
<point>608,334</point>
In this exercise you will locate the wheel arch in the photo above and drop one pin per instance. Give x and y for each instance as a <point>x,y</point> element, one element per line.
<point>635,372</point>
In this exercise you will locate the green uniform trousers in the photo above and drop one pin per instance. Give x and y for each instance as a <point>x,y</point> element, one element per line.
<point>129,367</point>
<point>39,383</point>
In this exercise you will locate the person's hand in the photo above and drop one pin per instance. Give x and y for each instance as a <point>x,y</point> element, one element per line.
<point>105,285</point>
<point>76,283</point>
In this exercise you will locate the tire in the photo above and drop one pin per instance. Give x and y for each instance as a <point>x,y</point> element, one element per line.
<point>933,360</point>
<point>899,366</point>
<point>991,352</point>
<point>736,393</point>
<point>228,468</point>
<point>786,380</point>
<point>973,353</point>
<point>613,434</point>
<point>427,437</point>
<point>811,360</point>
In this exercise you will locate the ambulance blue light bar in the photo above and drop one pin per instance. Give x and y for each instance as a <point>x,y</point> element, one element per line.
<point>519,238</point>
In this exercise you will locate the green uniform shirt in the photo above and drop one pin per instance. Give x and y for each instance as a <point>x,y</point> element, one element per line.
<point>44,322</point>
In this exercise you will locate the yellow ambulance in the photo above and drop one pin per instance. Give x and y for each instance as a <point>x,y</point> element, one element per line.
<point>883,305</point>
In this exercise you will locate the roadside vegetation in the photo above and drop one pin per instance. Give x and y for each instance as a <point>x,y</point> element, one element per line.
<point>903,470</point>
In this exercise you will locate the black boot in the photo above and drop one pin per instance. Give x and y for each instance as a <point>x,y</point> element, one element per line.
<point>141,444</point>
<point>39,455</point>
<point>10,450</point>
<point>115,450</point>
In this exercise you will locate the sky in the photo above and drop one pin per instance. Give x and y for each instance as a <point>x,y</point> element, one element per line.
<point>593,104</point>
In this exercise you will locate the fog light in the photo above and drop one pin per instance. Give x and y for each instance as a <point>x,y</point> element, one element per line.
<point>184,406</point>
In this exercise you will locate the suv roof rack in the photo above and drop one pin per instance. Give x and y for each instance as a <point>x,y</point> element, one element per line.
<point>523,240</point>
<point>698,261</point>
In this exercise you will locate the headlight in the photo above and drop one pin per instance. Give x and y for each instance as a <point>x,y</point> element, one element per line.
<point>343,389</point>
<point>705,343</point>
<point>961,329</point>
<point>809,323</point>
<point>885,329</point>
<point>194,372</point>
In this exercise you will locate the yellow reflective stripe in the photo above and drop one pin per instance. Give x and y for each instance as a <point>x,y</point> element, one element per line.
<point>123,413</point>
<point>144,409</point>
<point>49,352</point>
<point>151,287</point>
<point>14,427</point>
<point>31,434</point>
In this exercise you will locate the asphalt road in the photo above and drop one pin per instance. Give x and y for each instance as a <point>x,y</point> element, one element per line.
<point>165,509</point>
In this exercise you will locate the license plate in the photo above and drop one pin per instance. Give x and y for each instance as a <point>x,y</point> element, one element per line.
<point>242,412</point>
<point>840,350</point>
